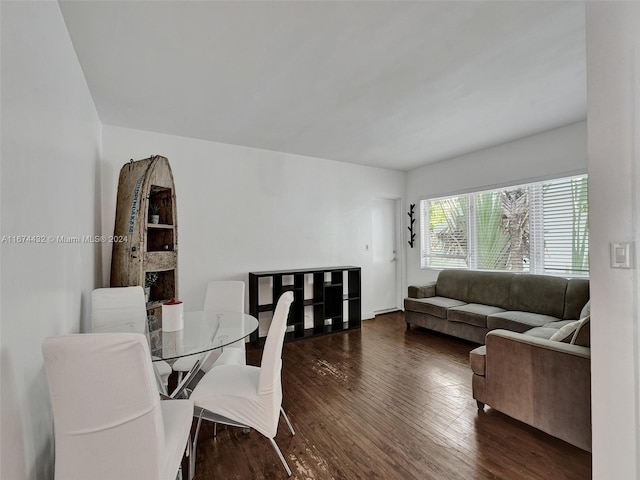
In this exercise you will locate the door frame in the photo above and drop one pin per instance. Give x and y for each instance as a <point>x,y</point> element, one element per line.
<point>399,239</point>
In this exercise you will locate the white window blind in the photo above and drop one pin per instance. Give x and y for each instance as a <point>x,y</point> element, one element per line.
<point>444,232</point>
<point>539,228</point>
<point>566,227</point>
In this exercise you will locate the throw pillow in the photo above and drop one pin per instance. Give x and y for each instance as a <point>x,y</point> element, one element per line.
<point>582,335</point>
<point>565,334</point>
<point>586,310</point>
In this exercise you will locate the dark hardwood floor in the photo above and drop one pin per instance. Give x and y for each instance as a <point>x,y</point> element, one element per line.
<point>386,403</point>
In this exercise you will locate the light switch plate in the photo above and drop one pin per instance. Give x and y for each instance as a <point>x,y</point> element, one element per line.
<point>621,255</point>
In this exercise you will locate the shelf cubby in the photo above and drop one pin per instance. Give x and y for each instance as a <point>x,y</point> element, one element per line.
<point>331,296</point>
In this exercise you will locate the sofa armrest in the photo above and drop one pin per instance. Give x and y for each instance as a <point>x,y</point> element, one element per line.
<point>424,291</point>
<point>496,336</point>
<point>544,383</point>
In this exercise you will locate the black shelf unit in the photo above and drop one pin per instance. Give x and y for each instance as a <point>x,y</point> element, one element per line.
<point>334,299</point>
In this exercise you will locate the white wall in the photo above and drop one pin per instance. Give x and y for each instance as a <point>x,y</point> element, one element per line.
<point>555,153</point>
<point>244,209</point>
<point>50,151</point>
<point>613,74</point>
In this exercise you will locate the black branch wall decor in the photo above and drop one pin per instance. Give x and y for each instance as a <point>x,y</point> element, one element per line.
<point>412,220</point>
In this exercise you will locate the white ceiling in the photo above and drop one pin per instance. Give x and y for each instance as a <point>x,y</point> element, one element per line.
<point>391,84</point>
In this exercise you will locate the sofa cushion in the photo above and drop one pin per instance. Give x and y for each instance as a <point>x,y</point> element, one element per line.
<point>472,314</point>
<point>558,324</point>
<point>518,321</point>
<point>453,284</point>
<point>548,329</point>
<point>490,288</point>
<point>582,335</point>
<point>565,334</point>
<point>586,310</point>
<point>575,298</point>
<point>540,294</point>
<point>477,358</point>
<point>541,332</point>
<point>436,306</point>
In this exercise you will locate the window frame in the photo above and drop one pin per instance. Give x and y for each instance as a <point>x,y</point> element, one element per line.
<point>536,220</point>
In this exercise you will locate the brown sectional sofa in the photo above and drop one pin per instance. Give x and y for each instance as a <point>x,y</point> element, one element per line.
<point>543,383</point>
<point>520,370</point>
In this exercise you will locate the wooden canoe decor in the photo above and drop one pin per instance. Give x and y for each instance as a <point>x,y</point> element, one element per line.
<point>148,252</point>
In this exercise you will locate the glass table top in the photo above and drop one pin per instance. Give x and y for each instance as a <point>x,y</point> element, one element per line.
<point>203,331</point>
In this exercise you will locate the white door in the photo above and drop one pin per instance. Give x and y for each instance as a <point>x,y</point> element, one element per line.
<point>383,250</point>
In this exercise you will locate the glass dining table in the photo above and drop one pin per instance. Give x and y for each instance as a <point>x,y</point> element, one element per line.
<point>203,332</point>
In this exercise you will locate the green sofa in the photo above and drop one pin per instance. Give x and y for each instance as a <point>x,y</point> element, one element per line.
<point>468,304</point>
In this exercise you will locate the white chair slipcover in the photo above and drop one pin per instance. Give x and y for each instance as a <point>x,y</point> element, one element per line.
<point>247,395</point>
<point>112,306</point>
<point>227,295</point>
<point>109,422</point>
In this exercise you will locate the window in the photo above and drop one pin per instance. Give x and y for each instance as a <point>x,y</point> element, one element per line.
<point>538,228</point>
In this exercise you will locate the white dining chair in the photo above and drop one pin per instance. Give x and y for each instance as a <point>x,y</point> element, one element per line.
<point>121,305</point>
<point>245,395</point>
<point>227,295</point>
<point>109,421</point>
